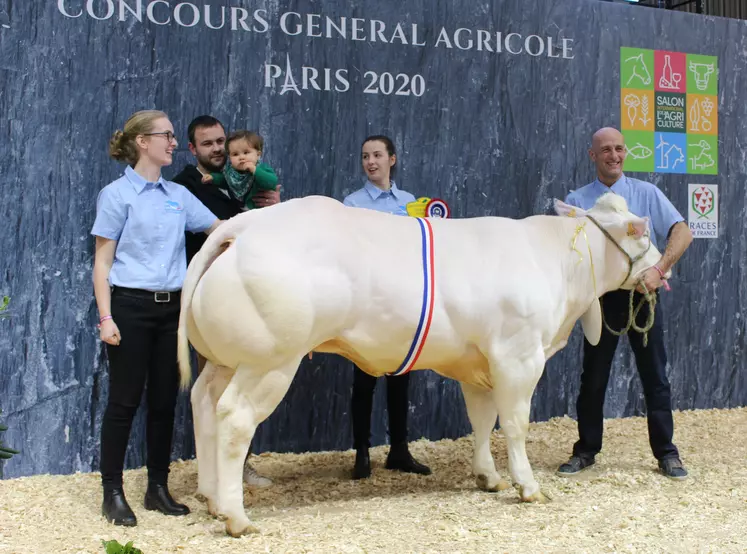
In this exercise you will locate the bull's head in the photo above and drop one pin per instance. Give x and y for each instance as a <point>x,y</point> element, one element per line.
<point>632,253</point>
<point>629,233</point>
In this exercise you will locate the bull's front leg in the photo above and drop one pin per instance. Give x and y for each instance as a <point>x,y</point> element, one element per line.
<point>515,381</point>
<point>249,399</point>
<point>483,411</point>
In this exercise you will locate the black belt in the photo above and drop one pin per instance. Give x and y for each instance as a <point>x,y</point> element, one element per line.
<point>158,296</point>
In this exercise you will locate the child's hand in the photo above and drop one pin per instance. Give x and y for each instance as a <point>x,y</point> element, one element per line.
<point>207,178</point>
<point>251,166</point>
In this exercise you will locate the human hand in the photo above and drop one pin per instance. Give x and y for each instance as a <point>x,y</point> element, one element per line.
<point>652,280</point>
<point>109,332</point>
<point>266,198</point>
<point>207,178</point>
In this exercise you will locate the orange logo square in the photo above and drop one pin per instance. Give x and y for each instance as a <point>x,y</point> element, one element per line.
<point>702,114</point>
<point>637,109</point>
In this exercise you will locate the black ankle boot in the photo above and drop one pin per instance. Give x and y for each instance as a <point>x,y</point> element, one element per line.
<point>115,508</point>
<point>362,469</point>
<point>157,497</point>
<point>400,459</point>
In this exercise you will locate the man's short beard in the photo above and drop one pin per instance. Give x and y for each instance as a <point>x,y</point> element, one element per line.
<point>210,166</point>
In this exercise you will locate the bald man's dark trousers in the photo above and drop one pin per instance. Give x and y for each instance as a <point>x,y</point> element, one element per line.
<point>651,363</point>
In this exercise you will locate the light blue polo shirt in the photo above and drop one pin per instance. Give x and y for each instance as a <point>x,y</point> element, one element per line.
<point>393,201</point>
<point>148,221</point>
<point>643,198</point>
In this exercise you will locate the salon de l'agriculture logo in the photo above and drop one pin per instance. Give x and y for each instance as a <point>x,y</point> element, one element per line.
<point>669,111</point>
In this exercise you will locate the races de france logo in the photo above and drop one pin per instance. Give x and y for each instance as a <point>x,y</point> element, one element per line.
<point>703,211</point>
<point>703,201</point>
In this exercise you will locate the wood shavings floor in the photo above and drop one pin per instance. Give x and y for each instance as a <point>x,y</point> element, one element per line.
<point>620,505</point>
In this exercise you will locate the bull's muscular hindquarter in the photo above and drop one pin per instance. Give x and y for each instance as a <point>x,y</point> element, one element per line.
<point>312,275</point>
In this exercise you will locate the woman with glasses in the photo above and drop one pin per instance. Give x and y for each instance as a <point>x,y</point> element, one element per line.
<point>379,159</point>
<point>139,266</point>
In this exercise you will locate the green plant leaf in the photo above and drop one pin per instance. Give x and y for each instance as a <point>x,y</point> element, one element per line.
<point>112,547</point>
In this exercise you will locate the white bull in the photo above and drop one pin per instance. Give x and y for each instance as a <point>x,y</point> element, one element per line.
<point>311,275</point>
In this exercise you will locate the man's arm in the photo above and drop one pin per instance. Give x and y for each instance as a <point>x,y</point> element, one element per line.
<point>679,240</point>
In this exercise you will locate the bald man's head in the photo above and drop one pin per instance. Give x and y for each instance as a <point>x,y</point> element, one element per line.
<point>608,154</point>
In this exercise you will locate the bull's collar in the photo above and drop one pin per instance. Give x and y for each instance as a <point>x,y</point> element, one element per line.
<point>631,260</point>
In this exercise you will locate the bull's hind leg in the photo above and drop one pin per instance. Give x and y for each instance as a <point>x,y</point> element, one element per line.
<point>205,394</point>
<point>482,412</point>
<point>515,382</point>
<point>251,396</point>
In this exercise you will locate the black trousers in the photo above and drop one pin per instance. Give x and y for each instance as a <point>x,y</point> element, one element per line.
<point>651,362</point>
<point>146,354</point>
<point>362,404</point>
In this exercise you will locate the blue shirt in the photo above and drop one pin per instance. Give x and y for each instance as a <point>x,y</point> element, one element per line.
<point>148,221</point>
<point>393,201</point>
<point>643,198</point>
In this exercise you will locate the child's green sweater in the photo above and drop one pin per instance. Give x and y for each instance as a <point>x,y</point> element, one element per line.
<point>264,178</point>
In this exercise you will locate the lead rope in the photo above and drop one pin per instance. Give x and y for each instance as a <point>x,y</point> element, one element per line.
<point>648,296</point>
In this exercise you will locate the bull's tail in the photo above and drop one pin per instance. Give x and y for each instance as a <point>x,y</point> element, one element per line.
<point>214,246</point>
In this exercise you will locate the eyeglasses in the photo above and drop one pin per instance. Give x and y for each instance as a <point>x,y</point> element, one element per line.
<point>168,135</point>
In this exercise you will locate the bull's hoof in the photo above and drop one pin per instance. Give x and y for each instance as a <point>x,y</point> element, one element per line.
<point>240,528</point>
<point>484,483</point>
<point>537,497</point>
<point>214,510</point>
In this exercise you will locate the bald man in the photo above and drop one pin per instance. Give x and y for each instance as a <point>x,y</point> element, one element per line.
<point>644,199</point>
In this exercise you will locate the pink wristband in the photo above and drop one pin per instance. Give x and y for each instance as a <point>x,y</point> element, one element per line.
<point>104,319</point>
<point>663,279</point>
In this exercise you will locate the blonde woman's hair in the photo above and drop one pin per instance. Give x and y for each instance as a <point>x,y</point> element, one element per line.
<point>122,146</point>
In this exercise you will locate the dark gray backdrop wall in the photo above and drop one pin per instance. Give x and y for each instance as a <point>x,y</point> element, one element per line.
<point>493,133</point>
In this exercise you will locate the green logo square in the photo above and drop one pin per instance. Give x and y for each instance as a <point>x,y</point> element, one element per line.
<point>636,68</point>
<point>671,112</point>
<point>702,74</point>
<point>702,154</point>
<point>640,146</point>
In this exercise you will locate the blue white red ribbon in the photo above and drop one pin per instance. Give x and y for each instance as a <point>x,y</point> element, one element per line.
<point>426,310</point>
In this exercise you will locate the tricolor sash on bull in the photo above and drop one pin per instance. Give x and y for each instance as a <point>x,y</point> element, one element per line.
<point>426,310</point>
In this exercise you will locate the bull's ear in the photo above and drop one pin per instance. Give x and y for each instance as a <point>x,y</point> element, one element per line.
<point>638,227</point>
<point>561,208</point>
<point>591,323</point>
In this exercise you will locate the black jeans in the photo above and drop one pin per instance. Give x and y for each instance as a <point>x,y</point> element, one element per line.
<point>146,353</point>
<point>362,404</point>
<point>651,362</point>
